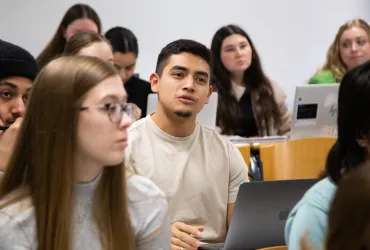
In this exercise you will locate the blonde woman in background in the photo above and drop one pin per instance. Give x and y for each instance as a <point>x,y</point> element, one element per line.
<point>350,48</point>
<point>78,18</point>
<point>72,192</point>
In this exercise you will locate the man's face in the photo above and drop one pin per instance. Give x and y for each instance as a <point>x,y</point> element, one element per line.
<point>13,96</point>
<point>183,88</point>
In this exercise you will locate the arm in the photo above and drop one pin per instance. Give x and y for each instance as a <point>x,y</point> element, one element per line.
<point>286,120</point>
<point>285,116</point>
<point>230,210</point>
<point>309,222</point>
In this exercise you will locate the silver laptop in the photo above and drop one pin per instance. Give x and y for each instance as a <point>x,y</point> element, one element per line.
<point>207,116</point>
<point>315,111</point>
<point>260,214</point>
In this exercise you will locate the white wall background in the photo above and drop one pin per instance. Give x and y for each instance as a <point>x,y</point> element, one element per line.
<point>291,36</point>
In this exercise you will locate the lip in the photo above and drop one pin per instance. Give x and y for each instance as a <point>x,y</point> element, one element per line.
<point>122,142</point>
<point>187,99</point>
<point>356,57</point>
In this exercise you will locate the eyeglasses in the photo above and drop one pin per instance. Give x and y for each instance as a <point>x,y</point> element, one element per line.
<point>115,110</point>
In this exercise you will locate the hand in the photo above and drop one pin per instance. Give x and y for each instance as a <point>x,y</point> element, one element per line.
<point>7,142</point>
<point>185,237</point>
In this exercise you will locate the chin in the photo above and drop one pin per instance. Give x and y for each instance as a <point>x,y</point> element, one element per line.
<point>113,160</point>
<point>184,113</point>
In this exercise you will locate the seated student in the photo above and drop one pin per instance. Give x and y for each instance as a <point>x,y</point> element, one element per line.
<point>66,187</point>
<point>249,103</point>
<point>78,18</point>
<point>351,149</point>
<point>125,52</point>
<point>93,44</point>
<point>349,214</point>
<point>18,69</point>
<point>350,48</point>
<point>199,170</point>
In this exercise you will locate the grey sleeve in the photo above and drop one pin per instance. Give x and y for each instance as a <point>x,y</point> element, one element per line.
<point>148,213</point>
<point>154,226</point>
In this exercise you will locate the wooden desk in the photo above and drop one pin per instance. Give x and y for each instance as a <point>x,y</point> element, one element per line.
<point>295,159</point>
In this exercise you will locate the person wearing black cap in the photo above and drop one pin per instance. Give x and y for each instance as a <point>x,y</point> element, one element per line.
<point>18,69</point>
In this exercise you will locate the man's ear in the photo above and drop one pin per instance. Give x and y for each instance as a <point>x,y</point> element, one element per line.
<point>209,93</point>
<point>154,82</point>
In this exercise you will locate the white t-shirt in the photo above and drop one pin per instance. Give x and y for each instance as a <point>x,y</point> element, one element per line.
<point>200,174</point>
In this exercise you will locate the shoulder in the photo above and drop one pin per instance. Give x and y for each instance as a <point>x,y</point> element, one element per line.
<point>279,93</point>
<point>311,212</point>
<point>141,189</point>
<point>137,127</point>
<point>319,196</point>
<point>214,139</point>
<point>325,76</point>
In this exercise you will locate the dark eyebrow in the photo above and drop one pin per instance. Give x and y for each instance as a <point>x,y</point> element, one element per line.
<point>229,46</point>
<point>202,73</point>
<point>176,67</point>
<point>9,84</point>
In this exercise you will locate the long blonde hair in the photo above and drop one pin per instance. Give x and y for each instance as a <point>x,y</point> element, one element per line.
<point>43,160</point>
<point>334,61</point>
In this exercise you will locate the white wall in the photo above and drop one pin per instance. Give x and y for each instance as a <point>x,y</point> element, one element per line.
<point>291,36</point>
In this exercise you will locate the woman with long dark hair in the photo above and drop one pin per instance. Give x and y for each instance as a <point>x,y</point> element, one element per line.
<point>249,104</point>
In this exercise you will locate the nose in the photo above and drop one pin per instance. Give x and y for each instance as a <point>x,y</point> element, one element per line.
<point>18,108</point>
<point>126,121</point>
<point>354,46</point>
<point>189,85</point>
<point>239,52</point>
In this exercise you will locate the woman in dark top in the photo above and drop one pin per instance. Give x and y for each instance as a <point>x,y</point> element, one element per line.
<point>125,53</point>
<point>249,103</point>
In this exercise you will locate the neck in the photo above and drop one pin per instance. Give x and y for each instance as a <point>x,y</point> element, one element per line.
<point>238,78</point>
<point>178,127</point>
<point>86,169</point>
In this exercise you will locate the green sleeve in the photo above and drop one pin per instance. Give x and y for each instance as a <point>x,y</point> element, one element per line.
<point>326,76</point>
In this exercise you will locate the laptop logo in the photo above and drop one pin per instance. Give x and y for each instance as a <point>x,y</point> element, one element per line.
<point>333,110</point>
<point>283,215</point>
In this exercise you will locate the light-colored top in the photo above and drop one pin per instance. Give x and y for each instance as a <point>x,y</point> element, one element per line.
<point>311,213</point>
<point>325,76</point>
<point>200,174</point>
<point>147,209</point>
<point>238,90</point>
